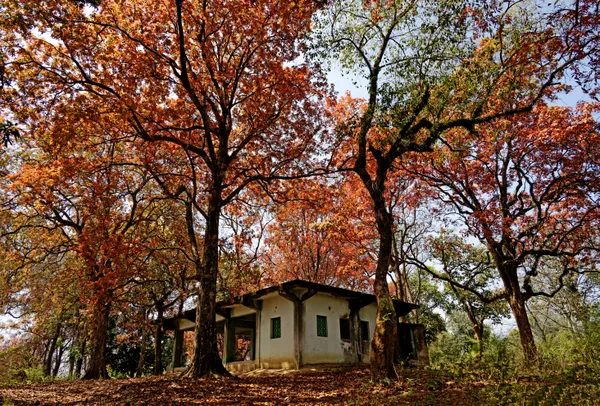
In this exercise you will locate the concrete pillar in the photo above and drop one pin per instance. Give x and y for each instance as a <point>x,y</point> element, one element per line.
<point>177,349</point>
<point>298,335</point>
<point>257,336</point>
<point>355,339</point>
<point>420,344</point>
<point>229,341</point>
<point>298,321</point>
<point>253,344</point>
<point>299,327</point>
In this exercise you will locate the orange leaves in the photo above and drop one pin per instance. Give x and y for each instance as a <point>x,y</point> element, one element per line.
<point>527,182</point>
<point>115,72</point>
<point>322,235</point>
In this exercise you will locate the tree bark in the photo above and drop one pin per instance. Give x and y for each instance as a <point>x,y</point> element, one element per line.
<point>507,267</point>
<point>50,353</point>
<point>96,368</point>
<point>158,336</point>
<point>58,361</point>
<point>384,339</point>
<point>516,301</point>
<point>517,305</point>
<point>478,330</point>
<point>205,360</point>
<point>399,267</point>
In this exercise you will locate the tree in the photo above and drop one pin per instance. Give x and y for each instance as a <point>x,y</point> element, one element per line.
<point>246,221</point>
<point>412,224</point>
<point>572,309</point>
<point>217,82</point>
<point>165,283</point>
<point>40,292</point>
<point>432,67</point>
<point>465,269</point>
<point>319,235</point>
<point>527,188</point>
<point>85,200</point>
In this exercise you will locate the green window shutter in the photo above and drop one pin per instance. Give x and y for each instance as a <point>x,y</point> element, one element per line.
<point>321,326</point>
<point>276,327</point>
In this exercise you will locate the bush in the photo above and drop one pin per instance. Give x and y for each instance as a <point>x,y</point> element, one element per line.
<point>569,371</point>
<point>35,375</point>
<point>18,366</point>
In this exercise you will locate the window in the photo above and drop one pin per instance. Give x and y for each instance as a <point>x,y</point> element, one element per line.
<point>276,327</point>
<point>364,330</point>
<point>344,329</point>
<point>321,326</point>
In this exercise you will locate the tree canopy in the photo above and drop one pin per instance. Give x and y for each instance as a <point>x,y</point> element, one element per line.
<point>157,156</point>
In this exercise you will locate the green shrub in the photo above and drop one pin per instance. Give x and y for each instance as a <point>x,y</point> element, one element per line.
<point>35,375</point>
<point>18,366</point>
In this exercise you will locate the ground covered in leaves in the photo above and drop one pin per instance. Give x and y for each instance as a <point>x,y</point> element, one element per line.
<point>310,386</point>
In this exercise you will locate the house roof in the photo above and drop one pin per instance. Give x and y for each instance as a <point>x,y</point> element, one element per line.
<point>248,299</point>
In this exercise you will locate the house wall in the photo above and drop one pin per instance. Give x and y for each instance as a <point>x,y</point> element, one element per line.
<point>330,349</point>
<point>277,352</point>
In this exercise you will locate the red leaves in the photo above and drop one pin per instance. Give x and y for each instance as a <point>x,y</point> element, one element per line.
<point>323,236</point>
<point>527,181</point>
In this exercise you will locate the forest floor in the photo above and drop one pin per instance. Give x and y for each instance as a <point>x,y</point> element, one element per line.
<point>309,386</point>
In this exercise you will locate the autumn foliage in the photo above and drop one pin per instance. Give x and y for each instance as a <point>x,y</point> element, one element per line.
<point>161,155</point>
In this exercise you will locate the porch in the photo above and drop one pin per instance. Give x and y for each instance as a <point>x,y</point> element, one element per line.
<point>237,336</point>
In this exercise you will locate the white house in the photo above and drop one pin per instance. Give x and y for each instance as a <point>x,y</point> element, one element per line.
<point>299,323</point>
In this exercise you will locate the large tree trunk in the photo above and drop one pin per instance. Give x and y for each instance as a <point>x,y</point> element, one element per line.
<point>516,301</point>
<point>507,268</point>
<point>96,368</point>
<point>404,293</point>
<point>158,336</point>
<point>517,305</point>
<point>384,339</point>
<point>205,360</point>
